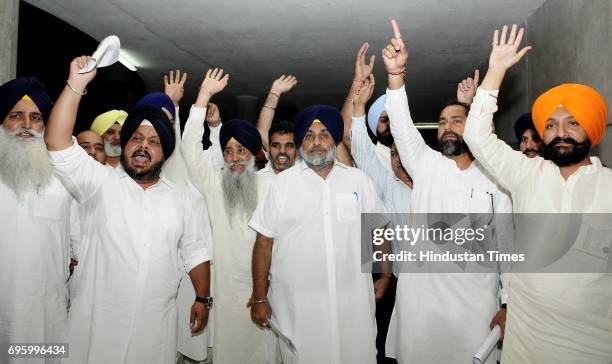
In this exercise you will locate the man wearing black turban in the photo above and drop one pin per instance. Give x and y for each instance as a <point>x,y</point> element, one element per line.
<point>231,195</point>
<point>34,221</point>
<point>139,230</point>
<point>530,143</point>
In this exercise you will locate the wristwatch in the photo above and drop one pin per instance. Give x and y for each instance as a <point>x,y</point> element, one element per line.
<point>207,301</point>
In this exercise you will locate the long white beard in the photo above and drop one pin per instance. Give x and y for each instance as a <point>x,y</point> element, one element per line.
<point>315,161</point>
<point>24,163</point>
<point>112,150</point>
<point>240,189</point>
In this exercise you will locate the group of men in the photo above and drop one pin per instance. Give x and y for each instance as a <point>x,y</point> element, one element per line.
<point>131,243</point>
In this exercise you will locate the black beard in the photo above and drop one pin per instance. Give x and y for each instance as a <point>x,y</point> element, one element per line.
<point>564,159</point>
<point>452,148</point>
<point>149,175</point>
<point>385,138</point>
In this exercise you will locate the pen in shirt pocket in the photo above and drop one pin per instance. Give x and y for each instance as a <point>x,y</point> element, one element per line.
<point>356,195</point>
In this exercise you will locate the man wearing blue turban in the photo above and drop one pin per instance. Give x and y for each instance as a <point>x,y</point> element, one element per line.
<point>34,221</point>
<point>312,213</point>
<point>231,195</point>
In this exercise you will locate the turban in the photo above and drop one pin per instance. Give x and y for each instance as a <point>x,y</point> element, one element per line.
<point>584,103</point>
<point>374,113</point>
<point>158,119</point>
<point>158,99</point>
<point>328,115</point>
<point>522,124</point>
<point>15,90</point>
<point>103,122</point>
<point>244,132</point>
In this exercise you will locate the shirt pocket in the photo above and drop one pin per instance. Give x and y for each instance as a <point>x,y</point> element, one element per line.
<point>481,202</point>
<point>347,207</point>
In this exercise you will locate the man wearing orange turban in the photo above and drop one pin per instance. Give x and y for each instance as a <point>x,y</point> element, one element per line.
<point>556,317</point>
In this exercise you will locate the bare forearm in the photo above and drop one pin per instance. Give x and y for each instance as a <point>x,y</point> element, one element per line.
<point>58,134</point>
<point>262,256</point>
<point>493,79</point>
<point>266,115</point>
<point>200,278</point>
<point>347,114</point>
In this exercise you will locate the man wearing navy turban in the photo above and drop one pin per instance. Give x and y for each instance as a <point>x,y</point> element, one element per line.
<point>34,221</point>
<point>312,215</point>
<point>231,195</point>
<point>139,232</point>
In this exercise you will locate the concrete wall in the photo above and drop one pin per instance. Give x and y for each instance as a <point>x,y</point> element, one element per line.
<point>572,42</point>
<point>9,20</point>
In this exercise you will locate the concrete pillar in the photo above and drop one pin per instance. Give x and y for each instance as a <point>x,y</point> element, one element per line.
<point>572,42</point>
<point>9,20</point>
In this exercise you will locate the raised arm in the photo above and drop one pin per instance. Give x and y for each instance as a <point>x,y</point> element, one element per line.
<point>411,146</point>
<point>203,174</point>
<point>58,133</point>
<point>505,164</point>
<point>266,115</point>
<point>362,73</point>
<point>80,174</point>
<point>362,148</point>
<point>174,87</point>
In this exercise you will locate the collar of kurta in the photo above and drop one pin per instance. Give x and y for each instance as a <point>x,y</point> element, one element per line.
<point>303,166</point>
<point>162,178</point>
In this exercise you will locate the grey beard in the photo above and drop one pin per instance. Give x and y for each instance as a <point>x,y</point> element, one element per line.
<point>112,150</point>
<point>318,162</point>
<point>240,190</point>
<point>24,164</point>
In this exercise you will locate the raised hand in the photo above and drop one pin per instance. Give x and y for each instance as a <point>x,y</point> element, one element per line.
<point>504,54</point>
<point>213,117</point>
<point>80,81</point>
<point>466,89</point>
<point>283,84</point>
<point>395,54</point>
<point>174,86</point>
<point>365,92</point>
<point>363,70</point>
<point>214,82</point>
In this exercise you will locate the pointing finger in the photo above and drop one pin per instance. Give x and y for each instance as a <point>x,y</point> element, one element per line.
<point>396,31</point>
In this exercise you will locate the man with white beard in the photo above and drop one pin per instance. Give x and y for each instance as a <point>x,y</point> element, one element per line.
<point>34,222</point>
<point>108,126</point>
<point>319,297</point>
<point>231,195</point>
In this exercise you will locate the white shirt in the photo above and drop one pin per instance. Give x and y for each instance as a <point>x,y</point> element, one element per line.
<point>123,291</point>
<point>422,329</point>
<point>233,242</point>
<point>319,295</point>
<point>552,318</point>
<point>383,153</point>
<point>34,257</point>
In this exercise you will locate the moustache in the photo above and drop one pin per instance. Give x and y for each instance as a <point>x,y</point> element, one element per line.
<point>25,132</point>
<point>531,151</point>
<point>559,140</point>
<point>447,133</point>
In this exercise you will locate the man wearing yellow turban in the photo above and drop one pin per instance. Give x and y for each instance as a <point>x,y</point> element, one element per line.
<point>553,317</point>
<point>108,126</point>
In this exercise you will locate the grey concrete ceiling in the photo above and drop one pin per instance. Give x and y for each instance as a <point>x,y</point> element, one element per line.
<point>256,41</point>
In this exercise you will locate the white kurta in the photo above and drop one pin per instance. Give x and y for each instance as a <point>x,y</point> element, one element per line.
<point>383,153</point>
<point>236,338</point>
<point>552,318</point>
<point>34,257</point>
<point>123,291</point>
<point>440,317</point>
<point>194,346</point>
<point>319,296</point>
